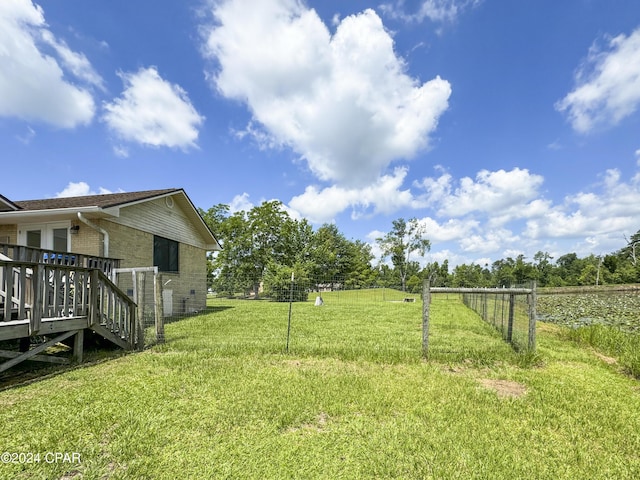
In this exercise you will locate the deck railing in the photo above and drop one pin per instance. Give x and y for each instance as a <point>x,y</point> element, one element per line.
<point>33,292</point>
<point>21,253</point>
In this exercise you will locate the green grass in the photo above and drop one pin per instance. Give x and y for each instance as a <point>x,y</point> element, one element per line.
<point>351,399</point>
<point>622,345</point>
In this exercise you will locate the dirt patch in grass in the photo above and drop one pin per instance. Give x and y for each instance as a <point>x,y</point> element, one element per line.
<point>504,388</point>
<point>317,426</point>
<point>605,359</point>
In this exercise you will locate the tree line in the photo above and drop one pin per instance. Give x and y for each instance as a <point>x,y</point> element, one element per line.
<point>262,247</point>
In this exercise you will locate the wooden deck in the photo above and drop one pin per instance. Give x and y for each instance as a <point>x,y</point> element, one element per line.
<point>55,302</point>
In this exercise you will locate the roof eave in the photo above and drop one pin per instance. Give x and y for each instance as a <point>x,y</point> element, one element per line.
<point>8,203</point>
<point>28,215</point>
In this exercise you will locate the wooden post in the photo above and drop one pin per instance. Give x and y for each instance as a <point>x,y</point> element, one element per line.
<point>157,286</point>
<point>34,351</point>
<point>426,302</point>
<point>8,292</point>
<point>22,292</point>
<point>290,305</point>
<point>140,297</point>
<point>512,302</point>
<point>93,298</point>
<point>36,309</point>
<point>485,315</point>
<point>139,313</point>
<point>78,346</point>
<point>533,299</point>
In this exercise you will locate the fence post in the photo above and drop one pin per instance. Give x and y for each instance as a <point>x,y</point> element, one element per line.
<point>533,299</point>
<point>78,346</point>
<point>157,283</point>
<point>290,306</point>
<point>512,302</point>
<point>485,314</point>
<point>426,302</point>
<point>139,318</point>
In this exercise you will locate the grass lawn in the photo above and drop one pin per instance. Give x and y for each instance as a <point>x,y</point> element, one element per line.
<point>351,399</point>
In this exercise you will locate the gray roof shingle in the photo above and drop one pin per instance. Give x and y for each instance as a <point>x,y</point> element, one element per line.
<point>102,201</point>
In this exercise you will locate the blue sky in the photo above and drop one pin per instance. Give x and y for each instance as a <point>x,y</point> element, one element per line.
<point>506,127</point>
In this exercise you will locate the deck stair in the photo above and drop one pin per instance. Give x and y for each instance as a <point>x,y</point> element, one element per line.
<point>55,301</point>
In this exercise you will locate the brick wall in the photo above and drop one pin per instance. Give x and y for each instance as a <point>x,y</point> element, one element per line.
<point>135,249</point>
<point>86,241</point>
<point>10,231</point>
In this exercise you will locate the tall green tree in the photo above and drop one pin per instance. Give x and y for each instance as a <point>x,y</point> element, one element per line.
<point>544,267</point>
<point>569,268</point>
<point>404,239</point>
<point>470,276</point>
<point>329,254</point>
<point>360,274</point>
<point>251,241</point>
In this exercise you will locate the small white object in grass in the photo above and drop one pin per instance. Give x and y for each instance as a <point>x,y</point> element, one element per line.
<point>319,301</point>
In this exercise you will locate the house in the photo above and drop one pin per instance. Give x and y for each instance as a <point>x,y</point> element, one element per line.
<point>154,228</point>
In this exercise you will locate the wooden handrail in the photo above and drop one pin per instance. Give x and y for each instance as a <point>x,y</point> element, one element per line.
<point>22,253</point>
<point>35,291</point>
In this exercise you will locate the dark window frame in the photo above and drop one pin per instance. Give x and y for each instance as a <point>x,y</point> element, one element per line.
<point>166,254</point>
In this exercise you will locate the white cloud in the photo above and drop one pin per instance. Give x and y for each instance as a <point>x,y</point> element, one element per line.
<point>452,229</point>
<point>76,63</point>
<point>240,203</point>
<point>505,194</point>
<point>33,85</point>
<point>490,241</point>
<point>606,214</point>
<point>27,137</point>
<point>607,85</point>
<point>80,189</point>
<point>501,212</point>
<point>153,112</point>
<point>121,151</point>
<point>384,196</point>
<point>343,101</point>
<point>438,11</point>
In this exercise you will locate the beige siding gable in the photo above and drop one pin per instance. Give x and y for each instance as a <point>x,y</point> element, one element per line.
<point>161,217</point>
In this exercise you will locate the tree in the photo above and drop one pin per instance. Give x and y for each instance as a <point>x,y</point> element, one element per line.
<point>279,286</point>
<point>544,267</point>
<point>503,272</point>
<point>438,275</point>
<point>404,239</point>
<point>215,218</point>
<point>414,284</point>
<point>469,276</point>
<point>569,268</point>
<point>360,274</point>
<point>252,240</point>
<point>523,271</point>
<point>632,249</point>
<point>329,254</point>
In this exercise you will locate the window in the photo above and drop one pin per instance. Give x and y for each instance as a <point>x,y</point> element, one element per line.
<point>49,236</point>
<point>34,238</point>
<point>60,236</point>
<point>165,254</point>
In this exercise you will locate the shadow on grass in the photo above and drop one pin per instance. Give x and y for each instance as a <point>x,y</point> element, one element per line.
<point>27,372</point>
<point>206,311</point>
